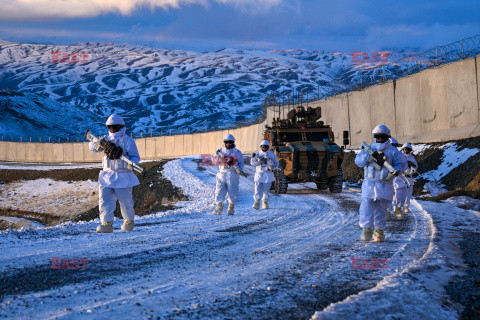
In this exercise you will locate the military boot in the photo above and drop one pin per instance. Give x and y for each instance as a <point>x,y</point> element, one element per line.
<point>378,236</point>
<point>231,209</point>
<point>366,234</point>
<point>389,216</point>
<point>406,209</point>
<point>105,227</point>
<point>128,225</point>
<point>256,205</point>
<point>265,205</point>
<point>218,208</point>
<point>399,213</point>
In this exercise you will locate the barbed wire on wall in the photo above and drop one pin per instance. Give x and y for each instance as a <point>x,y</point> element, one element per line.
<point>455,51</point>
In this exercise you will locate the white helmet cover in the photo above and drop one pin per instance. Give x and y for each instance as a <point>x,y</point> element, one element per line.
<point>264,143</point>
<point>381,129</point>
<point>115,120</point>
<point>229,137</point>
<point>407,145</point>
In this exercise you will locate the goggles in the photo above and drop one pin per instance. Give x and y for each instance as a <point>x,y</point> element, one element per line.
<point>381,136</point>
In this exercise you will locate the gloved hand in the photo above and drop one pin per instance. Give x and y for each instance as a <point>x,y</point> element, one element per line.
<point>112,151</point>
<point>254,155</point>
<point>264,160</point>
<point>379,158</point>
<point>231,161</point>
<point>411,164</point>
<point>219,151</point>
<point>237,170</point>
<point>97,146</point>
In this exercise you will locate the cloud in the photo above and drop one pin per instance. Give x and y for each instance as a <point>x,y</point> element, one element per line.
<point>45,9</point>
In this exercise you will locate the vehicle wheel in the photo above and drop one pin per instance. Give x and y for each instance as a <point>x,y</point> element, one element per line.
<point>336,183</point>
<point>280,184</point>
<point>321,186</point>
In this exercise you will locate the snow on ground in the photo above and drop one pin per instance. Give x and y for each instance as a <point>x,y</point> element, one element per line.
<point>452,158</point>
<point>60,198</point>
<point>279,263</point>
<point>464,202</point>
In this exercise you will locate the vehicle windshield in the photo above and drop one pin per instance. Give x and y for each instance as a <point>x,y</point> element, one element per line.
<point>290,137</point>
<point>317,136</point>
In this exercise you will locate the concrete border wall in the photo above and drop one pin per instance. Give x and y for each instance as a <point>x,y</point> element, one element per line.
<point>436,104</point>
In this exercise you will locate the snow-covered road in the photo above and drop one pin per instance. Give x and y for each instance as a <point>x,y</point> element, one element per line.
<point>285,262</point>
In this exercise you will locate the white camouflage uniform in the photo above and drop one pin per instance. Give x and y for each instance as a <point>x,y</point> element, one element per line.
<point>377,192</point>
<point>116,180</point>
<point>403,191</point>
<point>227,177</point>
<point>263,162</point>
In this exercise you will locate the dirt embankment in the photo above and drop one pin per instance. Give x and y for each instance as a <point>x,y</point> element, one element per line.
<point>154,193</point>
<point>462,180</point>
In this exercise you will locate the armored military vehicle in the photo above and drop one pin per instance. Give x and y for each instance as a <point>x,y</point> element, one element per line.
<point>306,150</point>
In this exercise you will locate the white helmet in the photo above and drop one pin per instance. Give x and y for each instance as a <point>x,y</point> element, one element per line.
<point>115,120</point>
<point>229,137</point>
<point>381,129</point>
<point>407,146</point>
<point>265,143</point>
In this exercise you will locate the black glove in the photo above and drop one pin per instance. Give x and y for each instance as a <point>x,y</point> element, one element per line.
<point>254,155</point>
<point>112,151</point>
<point>219,151</point>
<point>379,158</point>
<point>231,161</point>
<point>411,164</point>
<point>264,160</point>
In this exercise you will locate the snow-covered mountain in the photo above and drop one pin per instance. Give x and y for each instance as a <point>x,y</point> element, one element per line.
<point>160,90</point>
<point>32,116</point>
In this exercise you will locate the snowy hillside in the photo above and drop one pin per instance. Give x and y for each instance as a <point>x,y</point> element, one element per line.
<point>158,89</point>
<point>34,116</point>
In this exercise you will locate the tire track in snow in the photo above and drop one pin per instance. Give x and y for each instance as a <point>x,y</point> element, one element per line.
<point>221,266</point>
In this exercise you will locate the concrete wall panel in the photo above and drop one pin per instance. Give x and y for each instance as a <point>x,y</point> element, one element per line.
<point>461,93</point>
<point>90,156</point>
<point>159,147</point>
<point>178,145</point>
<point>34,152</point>
<point>21,152</point>
<point>3,150</point>
<point>58,152</point>
<point>477,61</point>
<point>11,151</point>
<point>360,123</point>
<point>150,148</point>
<point>78,150</point>
<point>434,102</point>
<point>169,146</point>
<point>382,108</point>
<point>48,152</point>
<point>141,146</point>
<point>335,114</point>
<point>68,152</point>
<point>408,109</point>
<point>188,148</point>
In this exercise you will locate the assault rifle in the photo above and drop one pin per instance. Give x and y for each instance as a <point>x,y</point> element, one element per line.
<point>102,140</point>
<point>221,162</point>
<point>391,171</point>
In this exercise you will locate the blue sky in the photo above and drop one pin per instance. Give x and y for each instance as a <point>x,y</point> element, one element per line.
<point>204,25</point>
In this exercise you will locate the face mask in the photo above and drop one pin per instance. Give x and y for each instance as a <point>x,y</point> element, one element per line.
<point>118,134</point>
<point>381,146</point>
